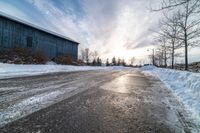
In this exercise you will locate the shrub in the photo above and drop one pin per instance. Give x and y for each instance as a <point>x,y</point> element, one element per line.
<point>20,55</point>
<point>81,62</point>
<point>65,59</point>
<point>39,57</point>
<point>3,54</point>
<point>23,52</point>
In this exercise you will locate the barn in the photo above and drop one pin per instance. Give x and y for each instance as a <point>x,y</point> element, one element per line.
<point>17,33</point>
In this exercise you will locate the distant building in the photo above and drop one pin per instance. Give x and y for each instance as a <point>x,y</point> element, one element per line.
<point>17,33</point>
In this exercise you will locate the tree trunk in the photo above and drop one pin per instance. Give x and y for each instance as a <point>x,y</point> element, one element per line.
<point>165,59</point>
<point>186,37</point>
<point>153,57</point>
<point>186,55</point>
<point>173,55</point>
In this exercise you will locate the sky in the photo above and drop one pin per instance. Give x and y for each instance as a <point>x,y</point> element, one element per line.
<point>120,28</point>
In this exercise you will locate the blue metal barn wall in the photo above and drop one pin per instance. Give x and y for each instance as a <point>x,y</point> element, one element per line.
<point>13,34</point>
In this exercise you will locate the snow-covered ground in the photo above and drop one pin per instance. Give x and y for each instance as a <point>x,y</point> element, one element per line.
<point>13,70</point>
<point>185,86</point>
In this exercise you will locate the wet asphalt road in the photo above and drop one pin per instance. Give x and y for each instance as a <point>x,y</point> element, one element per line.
<point>99,101</point>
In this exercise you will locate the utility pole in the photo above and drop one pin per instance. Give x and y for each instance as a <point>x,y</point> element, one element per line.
<point>153,57</point>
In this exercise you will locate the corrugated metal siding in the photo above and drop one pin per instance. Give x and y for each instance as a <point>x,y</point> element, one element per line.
<point>1,33</point>
<point>13,34</point>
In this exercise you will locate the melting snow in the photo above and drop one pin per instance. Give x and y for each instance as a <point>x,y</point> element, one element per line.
<point>185,86</point>
<point>14,70</point>
<point>30,105</point>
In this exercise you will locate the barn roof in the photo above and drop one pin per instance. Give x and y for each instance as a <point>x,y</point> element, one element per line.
<point>35,26</point>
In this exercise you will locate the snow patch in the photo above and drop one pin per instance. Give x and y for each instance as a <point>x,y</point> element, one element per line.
<point>15,70</point>
<point>185,86</point>
<point>31,104</point>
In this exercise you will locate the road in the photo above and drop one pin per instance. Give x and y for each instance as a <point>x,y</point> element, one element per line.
<point>114,101</point>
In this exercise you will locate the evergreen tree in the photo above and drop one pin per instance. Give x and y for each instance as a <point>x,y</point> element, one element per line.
<point>123,62</point>
<point>119,62</point>
<point>97,61</point>
<point>114,61</point>
<point>107,62</point>
<point>94,63</point>
<point>100,62</point>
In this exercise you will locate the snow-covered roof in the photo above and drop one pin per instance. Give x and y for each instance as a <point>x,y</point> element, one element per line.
<point>34,26</point>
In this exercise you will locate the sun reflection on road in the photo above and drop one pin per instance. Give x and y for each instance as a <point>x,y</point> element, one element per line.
<point>118,85</point>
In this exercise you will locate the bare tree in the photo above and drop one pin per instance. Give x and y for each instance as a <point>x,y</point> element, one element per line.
<point>188,21</point>
<point>87,55</point>
<point>152,56</point>
<point>82,56</point>
<point>169,32</point>
<point>132,60</point>
<point>158,58</point>
<point>173,4</point>
<point>163,49</point>
<point>190,27</point>
<point>94,54</point>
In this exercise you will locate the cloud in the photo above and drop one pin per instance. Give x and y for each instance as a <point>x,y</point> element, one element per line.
<point>121,28</point>
<point>112,27</point>
<point>124,30</point>
<point>11,10</point>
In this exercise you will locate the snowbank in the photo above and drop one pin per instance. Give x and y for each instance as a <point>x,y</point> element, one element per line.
<point>185,86</point>
<point>13,70</point>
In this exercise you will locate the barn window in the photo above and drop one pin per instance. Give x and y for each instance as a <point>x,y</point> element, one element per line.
<point>29,41</point>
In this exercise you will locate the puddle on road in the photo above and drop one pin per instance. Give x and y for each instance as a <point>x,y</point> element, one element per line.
<point>127,83</point>
<point>120,84</point>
